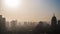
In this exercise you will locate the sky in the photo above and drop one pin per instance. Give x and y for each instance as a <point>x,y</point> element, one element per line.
<point>30,10</point>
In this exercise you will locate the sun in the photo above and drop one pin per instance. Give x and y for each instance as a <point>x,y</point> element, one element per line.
<point>12,3</point>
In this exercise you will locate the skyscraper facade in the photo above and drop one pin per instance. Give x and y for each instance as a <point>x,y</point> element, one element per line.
<point>54,21</point>
<point>2,23</point>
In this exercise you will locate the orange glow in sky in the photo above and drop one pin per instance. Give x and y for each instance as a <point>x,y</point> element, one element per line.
<point>27,10</point>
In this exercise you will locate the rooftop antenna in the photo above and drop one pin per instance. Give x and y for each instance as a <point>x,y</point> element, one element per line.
<point>54,14</point>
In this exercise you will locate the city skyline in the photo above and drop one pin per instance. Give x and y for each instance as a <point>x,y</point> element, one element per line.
<point>30,10</point>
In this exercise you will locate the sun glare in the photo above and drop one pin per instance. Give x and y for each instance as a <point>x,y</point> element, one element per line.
<point>12,3</point>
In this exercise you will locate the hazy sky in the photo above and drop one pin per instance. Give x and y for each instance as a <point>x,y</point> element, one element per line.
<point>30,10</point>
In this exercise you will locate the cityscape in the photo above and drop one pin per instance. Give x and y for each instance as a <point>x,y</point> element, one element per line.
<point>29,16</point>
<point>30,27</point>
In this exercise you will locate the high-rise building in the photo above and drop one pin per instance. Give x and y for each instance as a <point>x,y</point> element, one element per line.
<point>2,23</point>
<point>54,21</point>
<point>13,24</point>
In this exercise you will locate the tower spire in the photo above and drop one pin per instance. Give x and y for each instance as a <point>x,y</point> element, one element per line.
<point>54,14</point>
<point>54,20</point>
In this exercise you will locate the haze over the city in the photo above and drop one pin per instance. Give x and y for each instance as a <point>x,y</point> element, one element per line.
<point>29,10</point>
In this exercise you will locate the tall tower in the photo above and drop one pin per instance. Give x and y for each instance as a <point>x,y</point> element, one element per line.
<point>2,23</point>
<point>54,20</point>
<point>13,24</point>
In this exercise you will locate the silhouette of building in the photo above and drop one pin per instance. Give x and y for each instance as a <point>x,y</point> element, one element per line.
<point>13,24</point>
<point>2,23</point>
<point>25,23</point>
<point>58,21</point>
<point>54,21</point>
